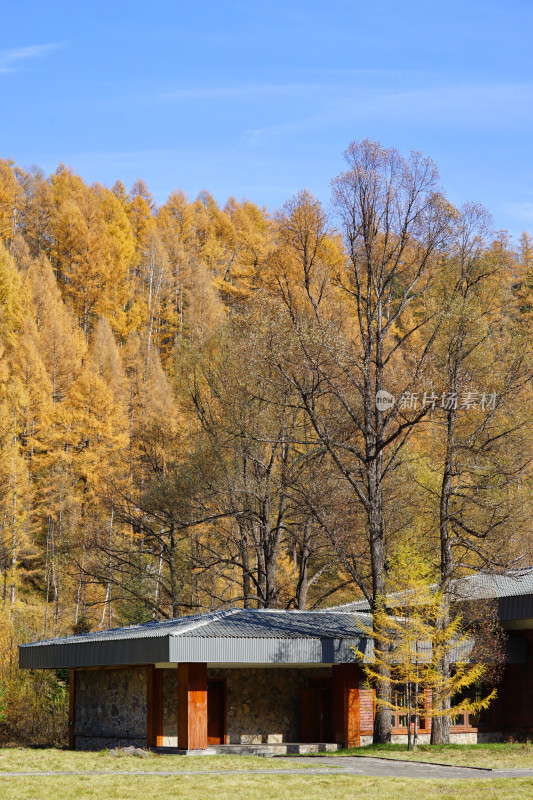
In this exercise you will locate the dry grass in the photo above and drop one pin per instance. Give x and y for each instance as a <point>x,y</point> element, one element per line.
<point>259,787</point>
<point>132,786</point>
<point>495,756</point>
<point>21,759</point>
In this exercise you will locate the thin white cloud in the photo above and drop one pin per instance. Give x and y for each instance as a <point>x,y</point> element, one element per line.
<point>246,92</point>
<point>489,107</point>
<point>11,60</point>
<point>249,91</point>
<point>523,211</point>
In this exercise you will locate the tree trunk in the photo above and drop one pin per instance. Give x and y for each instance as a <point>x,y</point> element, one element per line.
<point>172,556</point>
<point>245,566</point>
<point>382,720</point>
<point>440,727</point>
<point>303,571</point>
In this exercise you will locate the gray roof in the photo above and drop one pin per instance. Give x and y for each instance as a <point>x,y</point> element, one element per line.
<point>234,623</point>
<point>228,636</point>
<point>258,636</point>
<point>356,606</point>
<point>269,623</point>
<point>481,586</point>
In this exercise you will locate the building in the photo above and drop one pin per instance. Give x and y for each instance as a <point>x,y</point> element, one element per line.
<point>264,677</point>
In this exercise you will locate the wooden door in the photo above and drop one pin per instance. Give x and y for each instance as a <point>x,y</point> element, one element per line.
<point>316,714</point>
<point>215,712</point>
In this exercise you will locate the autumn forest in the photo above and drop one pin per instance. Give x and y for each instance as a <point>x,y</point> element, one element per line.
<point>196,400</point>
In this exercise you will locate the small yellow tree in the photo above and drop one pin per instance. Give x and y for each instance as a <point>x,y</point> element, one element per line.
<point>410,641</point>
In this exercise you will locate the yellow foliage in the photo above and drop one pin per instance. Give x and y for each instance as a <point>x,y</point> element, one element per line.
<point>412,635</point>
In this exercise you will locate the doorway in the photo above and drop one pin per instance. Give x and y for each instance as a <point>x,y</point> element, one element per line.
<point>216,711</point>
<point>316,712</point>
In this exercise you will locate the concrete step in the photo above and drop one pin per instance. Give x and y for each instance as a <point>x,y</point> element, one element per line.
<point>267,750</point>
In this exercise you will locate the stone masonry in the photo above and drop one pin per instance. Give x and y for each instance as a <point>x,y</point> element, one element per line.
<point>110,708</point>
<point>170,708</point>
<point>262,704</point>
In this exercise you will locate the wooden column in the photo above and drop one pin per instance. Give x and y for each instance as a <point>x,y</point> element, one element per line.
<point>345,701</point>
<point>71,709</point>
<point>192,706</point>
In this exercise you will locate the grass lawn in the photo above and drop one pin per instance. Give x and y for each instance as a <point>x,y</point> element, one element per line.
<point>495,756</point>
<point>258,787</point>
<point>20,759</point>
<point>131,786</point>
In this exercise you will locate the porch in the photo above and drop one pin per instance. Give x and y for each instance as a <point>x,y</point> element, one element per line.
<point>260,709</point>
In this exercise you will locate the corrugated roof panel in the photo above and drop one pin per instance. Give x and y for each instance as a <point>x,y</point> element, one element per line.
<point>66,655</point>
<point>268,624</point>
<point>256,635</point>
<point>146,630</point>
<point>235,650</point>
<point>228,622</point>
<point>480,586</point>
<point>150,643</point>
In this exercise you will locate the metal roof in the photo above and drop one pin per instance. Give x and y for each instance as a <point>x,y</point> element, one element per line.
<point>232,635</point>
<point>481,586</point>
<point>232,622</point>
<point>352,608</point>
<point>273,624</point>
<point>145,630</point>
<point>258,636</point>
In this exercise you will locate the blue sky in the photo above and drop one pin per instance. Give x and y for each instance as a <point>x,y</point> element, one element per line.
<point>260,100</point>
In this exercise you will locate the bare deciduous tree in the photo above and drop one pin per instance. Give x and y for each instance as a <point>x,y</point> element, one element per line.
<point>394,222</point>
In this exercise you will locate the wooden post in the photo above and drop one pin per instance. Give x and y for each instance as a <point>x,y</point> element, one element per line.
<point>345,701</point>
<point>154,706</point>
<point>192,706</point>
<point>71,709</point>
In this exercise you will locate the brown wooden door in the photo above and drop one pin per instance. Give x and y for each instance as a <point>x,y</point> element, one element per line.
<point>308,716</point>
<point>316,715</point>
<point>215,712</point>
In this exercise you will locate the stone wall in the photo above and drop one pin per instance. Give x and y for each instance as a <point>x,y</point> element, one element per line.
<point>170,708</point>
<point>455,738</point>
<point>110,708</point>
<point>263,704</point>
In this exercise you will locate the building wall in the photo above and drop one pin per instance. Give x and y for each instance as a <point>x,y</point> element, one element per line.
<point>262,704</point>
<point>366,709</point>
<point>513,709</point>
<point>459,734</point>
<point>455,738</point>
<point>110,708</point>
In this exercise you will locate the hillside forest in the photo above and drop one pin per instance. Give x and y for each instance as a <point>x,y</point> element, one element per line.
<point>196,400</point>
